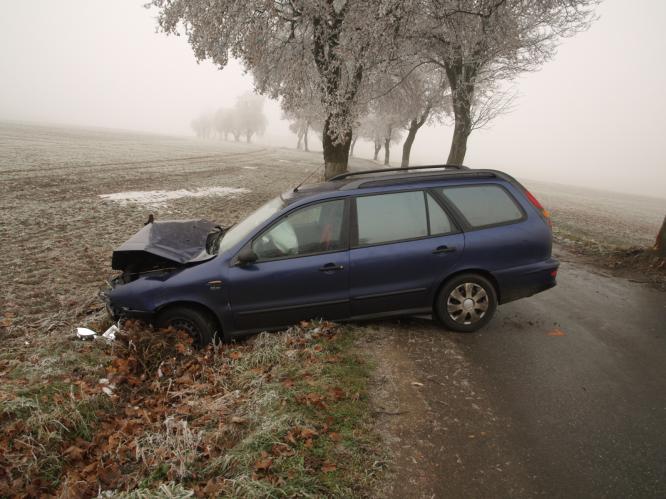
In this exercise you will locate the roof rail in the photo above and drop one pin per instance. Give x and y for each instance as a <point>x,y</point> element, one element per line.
<point>424,178</point>
<point>405,169</point>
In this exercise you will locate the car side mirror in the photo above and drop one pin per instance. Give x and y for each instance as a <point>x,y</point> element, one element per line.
<point>247,256</point>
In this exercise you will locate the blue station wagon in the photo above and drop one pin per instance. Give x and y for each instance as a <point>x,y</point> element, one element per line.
<point>450,241</point>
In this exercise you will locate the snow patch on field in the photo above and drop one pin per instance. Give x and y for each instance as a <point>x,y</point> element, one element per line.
<point>160,198</point>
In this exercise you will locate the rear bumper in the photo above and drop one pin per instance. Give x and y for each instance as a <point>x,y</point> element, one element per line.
<point>527,280</point>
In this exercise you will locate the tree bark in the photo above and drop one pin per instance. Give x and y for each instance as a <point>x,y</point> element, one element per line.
<point>353,144</point>
<point>336,154</point>
<point>300,138</point>
<point>387,151</point>
<point>461,131</point>
<point>414,127</point>
<point>660,246</point>
<point>461,78</point>
<point>305,137</point>
<point>407,146</point>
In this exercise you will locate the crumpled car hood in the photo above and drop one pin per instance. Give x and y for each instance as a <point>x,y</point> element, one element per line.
<point>164,243</point>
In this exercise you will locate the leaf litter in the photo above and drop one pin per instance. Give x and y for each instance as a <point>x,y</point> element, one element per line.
<point>244,420</point>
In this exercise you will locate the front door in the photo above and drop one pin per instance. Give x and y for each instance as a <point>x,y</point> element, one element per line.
<point>302,271</point>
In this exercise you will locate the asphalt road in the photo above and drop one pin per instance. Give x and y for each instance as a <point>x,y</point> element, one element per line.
<point>562,395</point>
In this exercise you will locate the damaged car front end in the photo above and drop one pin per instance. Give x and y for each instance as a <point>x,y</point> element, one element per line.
<point>175,274</point>
<point>155,255</point>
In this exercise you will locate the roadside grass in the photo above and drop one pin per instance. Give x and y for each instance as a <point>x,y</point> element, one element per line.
<point>283,414</point>
<point>44,405</point>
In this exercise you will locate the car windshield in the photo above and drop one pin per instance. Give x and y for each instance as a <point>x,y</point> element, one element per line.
<point>242,229</point>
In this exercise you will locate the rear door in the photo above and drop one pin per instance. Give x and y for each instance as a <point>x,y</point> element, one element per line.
<point>302,271</point>
<point>403,245</point>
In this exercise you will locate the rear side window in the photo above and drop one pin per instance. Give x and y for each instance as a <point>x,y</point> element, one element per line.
<point>484,205</point>
<point>439,220</point>
<point>391,217</point>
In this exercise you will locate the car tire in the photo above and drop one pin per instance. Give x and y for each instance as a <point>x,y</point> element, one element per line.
<point>200,325</point>
<point>466,303</point>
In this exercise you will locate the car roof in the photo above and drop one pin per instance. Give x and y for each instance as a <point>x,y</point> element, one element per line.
<point>389,177</point>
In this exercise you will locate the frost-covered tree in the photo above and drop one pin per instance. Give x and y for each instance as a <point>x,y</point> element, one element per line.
<point>249,115</point>
<point>226,123</point>
<point>339,43</point>
<point>309,117</point>
<point>371,128</point>
<point>480,42</point>
<point>203,125</point>
<point>425,96</point>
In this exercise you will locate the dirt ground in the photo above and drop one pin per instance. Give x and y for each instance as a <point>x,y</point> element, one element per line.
<point>57,234</point>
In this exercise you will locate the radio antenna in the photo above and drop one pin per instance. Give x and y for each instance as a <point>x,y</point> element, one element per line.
<point>306,178</point>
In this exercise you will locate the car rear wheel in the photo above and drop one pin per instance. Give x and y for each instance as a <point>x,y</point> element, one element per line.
<point>466,303</point>
<point>197,323</point>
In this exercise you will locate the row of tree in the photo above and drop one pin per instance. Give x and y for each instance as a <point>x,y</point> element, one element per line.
<point>343,57</point>
<point>419,99</point>
<point>245,119</point>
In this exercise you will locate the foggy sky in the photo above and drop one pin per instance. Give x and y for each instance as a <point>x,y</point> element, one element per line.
<point>594,116</point>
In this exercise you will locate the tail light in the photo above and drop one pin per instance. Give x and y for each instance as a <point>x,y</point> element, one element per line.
<point>535,202</point>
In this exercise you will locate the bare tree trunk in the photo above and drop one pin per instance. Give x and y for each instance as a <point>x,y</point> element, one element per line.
<point>409,141</point>
<point>336,154</point>
<point>461,131</point>
<point>300,138</point>
<point>461,79</point>
<point>378,147</point>
<point>414,127</point>
<point>353,144</point>
<point>660,246</point>
<point>387,151</point>
<point>305,137</point>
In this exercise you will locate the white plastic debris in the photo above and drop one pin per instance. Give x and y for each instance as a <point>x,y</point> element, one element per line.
<point>110,334</point>
<point>83,333</point>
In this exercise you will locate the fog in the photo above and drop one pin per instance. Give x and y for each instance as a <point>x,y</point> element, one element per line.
<point>594,116</point>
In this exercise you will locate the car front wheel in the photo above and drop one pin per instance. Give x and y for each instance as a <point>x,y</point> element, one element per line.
<point>197,323</point>
<point>466,303</point>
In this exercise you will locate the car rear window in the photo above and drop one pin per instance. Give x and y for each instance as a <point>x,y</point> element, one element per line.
<point>391,217</point>
<point>484,205</point>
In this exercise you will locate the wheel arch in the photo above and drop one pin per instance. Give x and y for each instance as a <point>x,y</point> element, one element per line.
<point>195,305</point>
<point>484,273</point>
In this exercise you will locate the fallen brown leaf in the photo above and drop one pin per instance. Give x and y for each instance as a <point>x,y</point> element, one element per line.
<point>328,467</point>
<point>336,437</point>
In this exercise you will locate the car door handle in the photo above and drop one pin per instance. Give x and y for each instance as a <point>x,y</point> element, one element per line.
<point>329,267</point>
<point>443,249</point>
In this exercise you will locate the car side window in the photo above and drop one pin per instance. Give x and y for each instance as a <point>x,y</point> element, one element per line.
<point>440,223</point>
<point>313,229</point>
<point>397,216</point>
<point>484,205</point>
